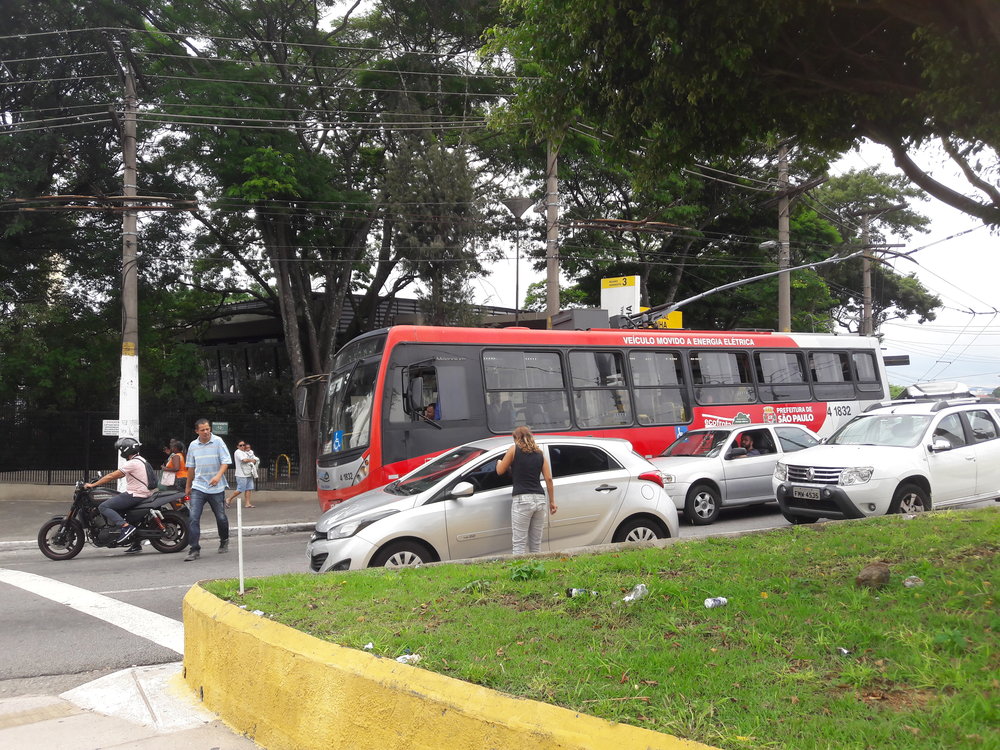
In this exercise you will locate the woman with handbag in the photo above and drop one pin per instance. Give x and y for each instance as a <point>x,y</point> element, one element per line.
<point>174,475</point>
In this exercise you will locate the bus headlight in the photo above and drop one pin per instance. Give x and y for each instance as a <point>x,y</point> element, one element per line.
<point>856,475</point>
<point>362,473</point>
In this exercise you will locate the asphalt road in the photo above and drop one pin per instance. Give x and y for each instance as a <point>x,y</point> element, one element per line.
<point>48,646</point>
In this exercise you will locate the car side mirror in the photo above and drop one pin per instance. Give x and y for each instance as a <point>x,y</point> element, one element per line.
<point>940,444</point>
<point>736,453</point>
<point>462,489</point>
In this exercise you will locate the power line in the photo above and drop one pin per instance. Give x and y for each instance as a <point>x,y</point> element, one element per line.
<point>307,66</point>
<point>195,35</point>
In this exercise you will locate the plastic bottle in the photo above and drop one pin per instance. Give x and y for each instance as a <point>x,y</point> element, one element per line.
<point>573,593</point>
<point>716,601</point>
<point>637,593</point>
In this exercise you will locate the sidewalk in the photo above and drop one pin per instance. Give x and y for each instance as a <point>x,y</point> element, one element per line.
<point>24,508</point>
<point>146,708</point>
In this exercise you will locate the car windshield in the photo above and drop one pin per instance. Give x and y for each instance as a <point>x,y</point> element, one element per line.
<point>704,443</point>
<point>433,471</point>
<point>902,430</point>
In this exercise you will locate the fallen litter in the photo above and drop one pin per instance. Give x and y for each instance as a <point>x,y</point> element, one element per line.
<point>638,592</point>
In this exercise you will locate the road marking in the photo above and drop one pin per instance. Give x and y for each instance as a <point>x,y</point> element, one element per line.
<point>144,590</point>
<point>135,620</point>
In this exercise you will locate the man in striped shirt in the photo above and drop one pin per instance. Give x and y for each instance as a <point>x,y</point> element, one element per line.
<point>208,459</point>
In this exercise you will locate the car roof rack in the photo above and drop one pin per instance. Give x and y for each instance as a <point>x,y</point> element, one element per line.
<point>938,405</point>
<point>945,403</point>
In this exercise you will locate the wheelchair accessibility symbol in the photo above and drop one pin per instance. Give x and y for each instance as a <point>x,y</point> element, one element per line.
<point>338,441</point>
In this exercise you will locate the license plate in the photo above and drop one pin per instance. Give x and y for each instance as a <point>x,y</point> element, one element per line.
<point>806,493</point>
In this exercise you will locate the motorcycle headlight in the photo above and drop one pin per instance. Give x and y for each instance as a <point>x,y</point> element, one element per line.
<point>353,526</point>
<point>856,475</point>
<point>780,472</point>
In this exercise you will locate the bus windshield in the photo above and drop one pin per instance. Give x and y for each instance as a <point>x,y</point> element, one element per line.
<point>346,422</point>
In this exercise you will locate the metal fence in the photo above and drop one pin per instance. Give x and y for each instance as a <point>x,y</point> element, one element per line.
<point>64,447</point>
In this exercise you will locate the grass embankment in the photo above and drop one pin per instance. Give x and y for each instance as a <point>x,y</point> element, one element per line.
<point>921,668</point>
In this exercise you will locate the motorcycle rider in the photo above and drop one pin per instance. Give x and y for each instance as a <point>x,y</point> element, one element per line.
<point>136,489</point>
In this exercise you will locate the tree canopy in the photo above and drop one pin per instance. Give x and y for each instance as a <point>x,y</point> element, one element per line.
<point>675,80</point>
<point>696,228</point>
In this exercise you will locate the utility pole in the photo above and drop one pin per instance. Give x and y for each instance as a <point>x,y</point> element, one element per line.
<point>867,327</point>
<point>866,279</point>
<point>551,233</point>
<point>128,389</point>
<point>784,251</point>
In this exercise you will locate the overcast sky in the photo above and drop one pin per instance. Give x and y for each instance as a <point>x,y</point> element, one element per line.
<point>962,344</point>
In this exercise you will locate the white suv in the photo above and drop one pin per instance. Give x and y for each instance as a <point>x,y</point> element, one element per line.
<point>899,458</point>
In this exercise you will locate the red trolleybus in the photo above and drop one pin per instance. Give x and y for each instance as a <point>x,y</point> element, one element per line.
<point>400,395</point>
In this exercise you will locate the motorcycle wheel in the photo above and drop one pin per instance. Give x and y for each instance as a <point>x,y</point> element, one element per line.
<point>59,543</point>
<point>176,537</point>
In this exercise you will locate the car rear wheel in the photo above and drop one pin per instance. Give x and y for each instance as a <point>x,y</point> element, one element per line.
<point>910,498</point>
<point>702,505</point>
<point>640,529</point>
<point>405,554</point>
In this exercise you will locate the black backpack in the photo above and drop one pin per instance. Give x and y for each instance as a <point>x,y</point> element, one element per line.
<point>151,481</point>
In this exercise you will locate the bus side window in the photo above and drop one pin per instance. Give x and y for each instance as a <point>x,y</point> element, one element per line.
<point>500,414</point>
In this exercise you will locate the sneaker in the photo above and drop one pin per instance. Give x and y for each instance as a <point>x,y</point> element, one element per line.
<point>193,555</point>
<point>135,549</point>
<point>125,534</point>
<point>223,546</point>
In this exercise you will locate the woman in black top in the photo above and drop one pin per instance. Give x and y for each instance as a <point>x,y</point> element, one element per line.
<point>527,510</point>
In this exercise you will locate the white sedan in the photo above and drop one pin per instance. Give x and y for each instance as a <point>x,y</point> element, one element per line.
<point>456,506</point>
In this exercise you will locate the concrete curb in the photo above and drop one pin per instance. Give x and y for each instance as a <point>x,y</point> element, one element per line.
<point>290,691</point>
<point>278,528</point>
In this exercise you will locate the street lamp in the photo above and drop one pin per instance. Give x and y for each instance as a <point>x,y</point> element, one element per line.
<point>517,206</point>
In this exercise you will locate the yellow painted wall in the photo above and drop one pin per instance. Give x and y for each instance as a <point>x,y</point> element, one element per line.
<point>290,691</point>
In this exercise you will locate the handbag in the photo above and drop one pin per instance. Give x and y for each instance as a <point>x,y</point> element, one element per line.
<point>167,479</point>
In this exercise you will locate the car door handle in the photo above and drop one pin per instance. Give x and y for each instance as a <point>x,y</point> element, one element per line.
<point>605,488</point>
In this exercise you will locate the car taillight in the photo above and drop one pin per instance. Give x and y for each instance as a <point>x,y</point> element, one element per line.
<point>652,476</point>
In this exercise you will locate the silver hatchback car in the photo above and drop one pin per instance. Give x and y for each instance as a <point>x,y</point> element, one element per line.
<point>456,506</point>
<point>705,470</point>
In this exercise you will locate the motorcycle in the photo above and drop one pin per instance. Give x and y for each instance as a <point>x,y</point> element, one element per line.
<point>162,518</point>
